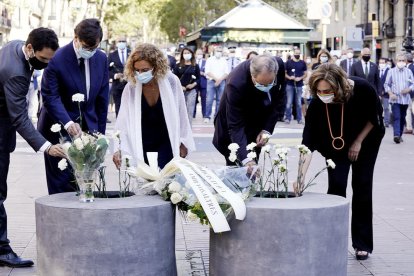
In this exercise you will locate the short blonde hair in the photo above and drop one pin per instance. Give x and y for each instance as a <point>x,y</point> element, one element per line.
<point>337,79</point>
<point>151,54</point>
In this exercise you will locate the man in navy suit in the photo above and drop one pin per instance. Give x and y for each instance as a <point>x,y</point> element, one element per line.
<point>251,103</point>
<point>18,59</point>
<point>385,98</point>
<point>347,63</point>
<point>76,68</point>
<point>202,87</point>
<point>116,61</point>
<point>367,70</point>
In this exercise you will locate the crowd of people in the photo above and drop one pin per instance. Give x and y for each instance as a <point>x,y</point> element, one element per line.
<point>337,99</point>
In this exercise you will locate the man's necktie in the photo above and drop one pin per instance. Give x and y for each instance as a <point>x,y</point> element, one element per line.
<point>232,63</point>
<point>366,70</point>
<point>381,73</point>
<point>122,57</point>
<point>83,75</point>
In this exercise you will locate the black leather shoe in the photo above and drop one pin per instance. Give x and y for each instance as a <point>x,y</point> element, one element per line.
<point>12,260</point>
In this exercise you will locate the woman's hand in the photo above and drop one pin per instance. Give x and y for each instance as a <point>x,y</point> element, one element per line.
<point>184,88</point>
<point>183,150</point>
<point>116,158</point>
<point>354,151</point>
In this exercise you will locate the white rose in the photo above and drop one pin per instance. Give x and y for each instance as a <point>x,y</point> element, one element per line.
<point>175,198</point>
<point>78,97</point>
<point>56,128</point>
<point>174,187</point>
<point>266,148</point>
<point>63,164</point>
<point>233,147</point>
<point>85,139</point>
<point>331,163</point>
<point>232,157</point>
<point>252,155</point>
<point>78,143</point>
<point>191,216</point>
<point>251,146</point>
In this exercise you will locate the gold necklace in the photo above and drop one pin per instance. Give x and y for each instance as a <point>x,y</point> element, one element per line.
<point>339,138</point>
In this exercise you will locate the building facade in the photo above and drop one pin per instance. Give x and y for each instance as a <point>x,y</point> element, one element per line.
<point>351,23</point>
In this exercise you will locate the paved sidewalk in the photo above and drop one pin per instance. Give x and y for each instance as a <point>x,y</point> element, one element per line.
<point>393,205</point>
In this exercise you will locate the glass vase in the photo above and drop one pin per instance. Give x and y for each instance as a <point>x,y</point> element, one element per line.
<point>86,181</point>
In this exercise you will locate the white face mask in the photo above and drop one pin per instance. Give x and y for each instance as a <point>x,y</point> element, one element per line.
<point>382,66</point>
<point>308,61</point>
<point>350,55</point>
<point>326,98</point>
<point>187,56</point>
<point>218,54</point>
<point>324,59</point>
<point>401,64</point>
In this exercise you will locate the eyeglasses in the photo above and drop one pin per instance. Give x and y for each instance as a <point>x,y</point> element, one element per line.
<point>143,70</point>
<point>266,85</point>
<point>121,40</point>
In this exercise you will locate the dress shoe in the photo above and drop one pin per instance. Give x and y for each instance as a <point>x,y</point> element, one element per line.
<point>361,255</point>
<point>397,139</point>
<point>12,260</point>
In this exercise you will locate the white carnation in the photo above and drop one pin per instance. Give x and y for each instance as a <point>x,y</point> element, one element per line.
<point>78,97</point>
<point>331,163</point>
<point>266,148</point>
<point>191,216</point>
<point>111,64</point>
<point>252,155</point>
<point>66,147</point>
<point>85,139</point>
<point>78,143</point>
<point>56,128</point>
<point>176,198</point>
<point>251,146</point>
<point>232,157</point>
<point>233,147</point>
<point>303,149</point>
<point>174,187</point>
<point>63,164</point>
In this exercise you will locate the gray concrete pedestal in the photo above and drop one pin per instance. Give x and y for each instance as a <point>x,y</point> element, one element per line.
<point>129,236</point>
<point>285,237</point>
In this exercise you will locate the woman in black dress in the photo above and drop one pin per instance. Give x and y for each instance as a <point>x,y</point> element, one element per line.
<point>344,123</point>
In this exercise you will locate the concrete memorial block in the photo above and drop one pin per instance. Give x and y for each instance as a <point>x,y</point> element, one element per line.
<point>306,235</point>
<point>128,236</point>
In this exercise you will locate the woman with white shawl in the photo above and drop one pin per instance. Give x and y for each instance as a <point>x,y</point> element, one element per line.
<point>153,115</point>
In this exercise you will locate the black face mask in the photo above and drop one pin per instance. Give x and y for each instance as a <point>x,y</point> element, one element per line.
<point>366,58</point>
<point>37,64</point>
<point>297,56</point>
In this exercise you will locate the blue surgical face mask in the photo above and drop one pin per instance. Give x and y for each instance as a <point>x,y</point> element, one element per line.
<point>121,45</point>
<point>264,88</point>
<point>85,53</point>
<point>144,77</point>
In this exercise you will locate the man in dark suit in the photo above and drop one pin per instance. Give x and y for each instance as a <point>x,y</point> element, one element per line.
<point>76,68</point>
<point>202,87</point>
<point>347,63</point>
<point>116,61</point>
<point>385,98</point>
<point>367,70</point>
<point>250,105</point>
<point>17,62</point>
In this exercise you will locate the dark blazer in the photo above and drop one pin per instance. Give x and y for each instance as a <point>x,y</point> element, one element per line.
<point>171,62</point>
<point>344,64</point>
<point>373,75</point>
<point>117,67</point>
<point>245,111</point>
<point>61,80</point>
<point>382,82</point>
<point>15,76</point>
<point>203,79</point>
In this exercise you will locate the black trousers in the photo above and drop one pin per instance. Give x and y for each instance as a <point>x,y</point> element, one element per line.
<point>7,145</point>
<point>58,181</point>
<point>362,175</point>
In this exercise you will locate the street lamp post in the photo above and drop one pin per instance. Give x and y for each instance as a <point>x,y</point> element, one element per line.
<point>408,40</point>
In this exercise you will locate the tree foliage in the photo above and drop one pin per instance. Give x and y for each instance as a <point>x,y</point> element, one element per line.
<point>148,18</point>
